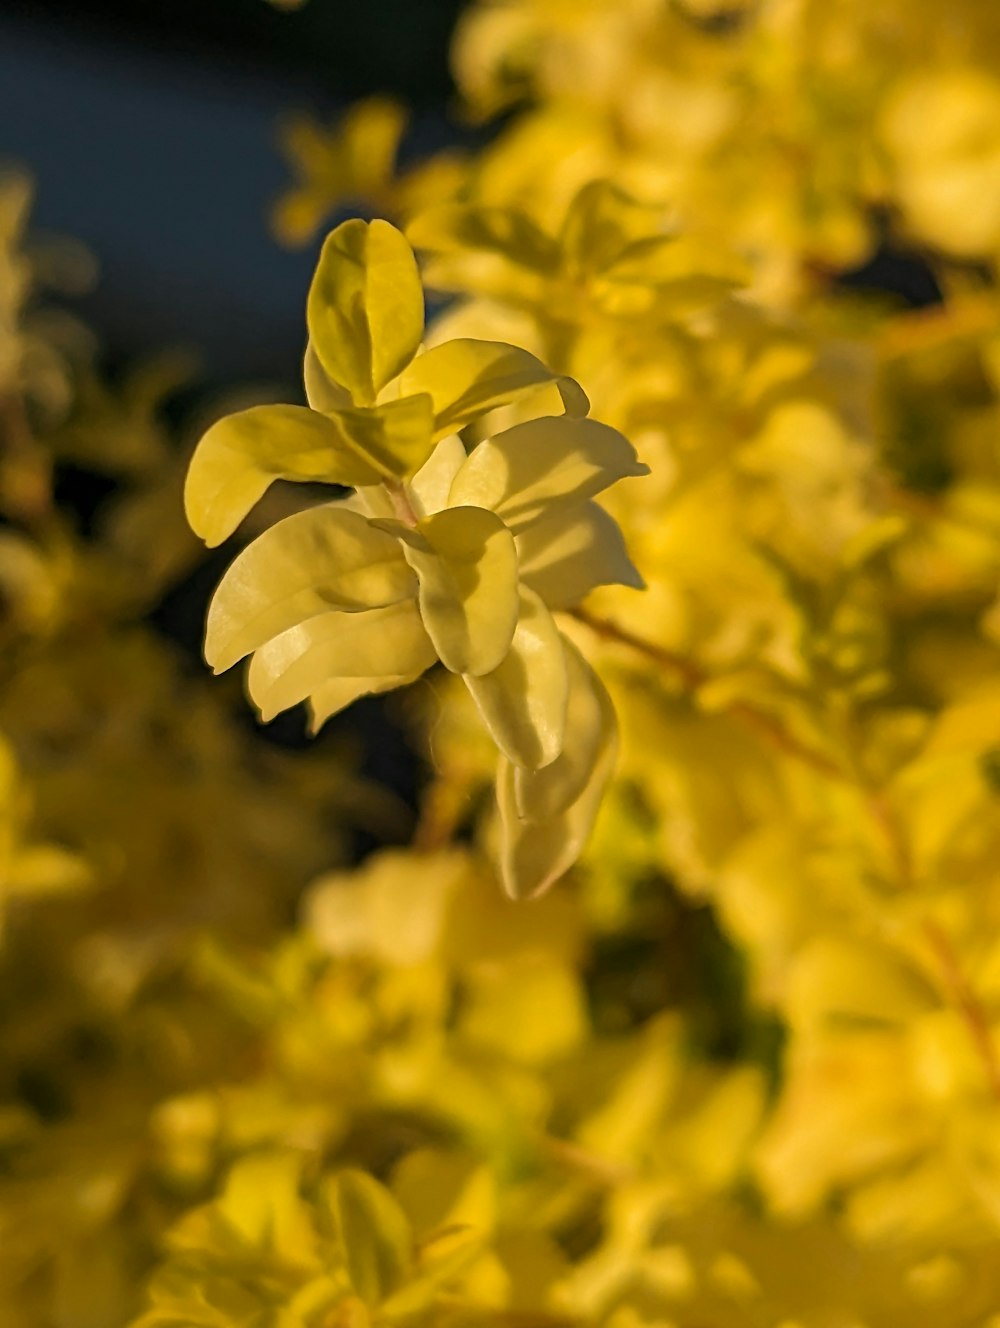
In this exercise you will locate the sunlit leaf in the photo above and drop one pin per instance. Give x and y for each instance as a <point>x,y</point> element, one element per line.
<point>467,378</point>
<point>321,559</point>
<point>366,307</point>
<point>523,700</point>
<point>386,642</point>
<point>243,454</point>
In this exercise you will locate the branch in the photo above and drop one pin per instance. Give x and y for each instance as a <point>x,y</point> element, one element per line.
<point>694,677</point>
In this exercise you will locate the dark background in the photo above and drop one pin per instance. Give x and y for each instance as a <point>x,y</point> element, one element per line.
<point>150,128</point>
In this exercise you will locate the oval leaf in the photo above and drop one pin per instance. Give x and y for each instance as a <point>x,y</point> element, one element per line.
<point>535,853</point>
<point>374,1235</point>
<point>523,701</point>
<point>242,454</point>
<point>365,309</point>
<point>312,562</point>
<point>378,643</point>
<point>563,557</point>
<point>466,566</point>
<point>524,472</point>
<point>466,378</point>
<point>395,438</point>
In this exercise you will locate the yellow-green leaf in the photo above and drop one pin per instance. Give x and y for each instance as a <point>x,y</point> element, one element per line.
<point>242,454</point>
<point>466,378</point>
<point>466,566</point>
<point>564,556</point>
<point>430,486</point>
<point>365,310</point>
<point>377,643</point>
<point>537,850</point>
<point>395,438</point>
<point>543,794</point>
<point>374,1234</point>
<point>524,472</point>
<point>322,559</point>
<point>321,393</point>
<point>523,701</point>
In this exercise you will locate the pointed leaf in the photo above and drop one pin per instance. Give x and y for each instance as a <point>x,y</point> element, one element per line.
<point>524,472</point>
<point>523,701</point>
<point>331,697</point>
<point>374,1234</point>
<point>600,221</point>
<point>563,557</point>
<point>379,643</point>
<point>467,378</point>
<point>322,559</point>
<point>505,232</point>
<point>543,794</point>
<point>535,853</point>
<point>366,307</point>
<point>242,454</point>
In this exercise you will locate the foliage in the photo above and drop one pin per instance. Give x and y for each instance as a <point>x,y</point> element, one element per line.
<point>736,1062</point>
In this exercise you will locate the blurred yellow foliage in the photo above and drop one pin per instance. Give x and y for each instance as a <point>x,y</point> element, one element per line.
<point>738,1061</point>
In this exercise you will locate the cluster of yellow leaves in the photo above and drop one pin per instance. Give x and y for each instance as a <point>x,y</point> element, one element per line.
<point>442,555</point>
<point>743,1066</point>
<point>807,687</point>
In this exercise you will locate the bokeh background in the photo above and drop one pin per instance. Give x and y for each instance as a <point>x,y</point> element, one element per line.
<point>152,132</point>
<point>151,129</point>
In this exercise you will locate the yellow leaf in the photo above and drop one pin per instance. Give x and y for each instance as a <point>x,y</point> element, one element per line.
<point>466,566</point>
<point>322,559</point>
<point>321,393</point>
<point>467,378</point>
<point>523,701</point>
<point>365,309</point>
<point>680,268</point>
<point>374,1234</point>
<point>590,724</point>
<point>396,437</point>
<point>529,1009</point>
<point>535,853</point>
<point>600,221</point>
<point>261,1201</point>
<point>430,486</point>
<point>242,454</point>
<point>564,556</point>
<point>501,232</point>
<point>525,471</point>
<point>386,642</point>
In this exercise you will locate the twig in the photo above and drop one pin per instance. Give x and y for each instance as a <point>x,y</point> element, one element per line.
<point>966,1002</point>
<point>694,677</point>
